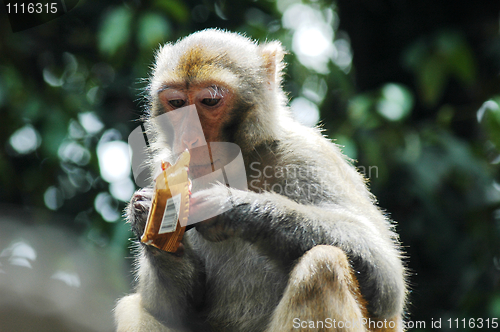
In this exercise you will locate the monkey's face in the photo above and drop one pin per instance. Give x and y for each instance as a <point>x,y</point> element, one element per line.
<point>197,114</point>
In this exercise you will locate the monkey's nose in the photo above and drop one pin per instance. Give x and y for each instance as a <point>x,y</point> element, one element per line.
<point>192,143</point>
<point>186,144</point>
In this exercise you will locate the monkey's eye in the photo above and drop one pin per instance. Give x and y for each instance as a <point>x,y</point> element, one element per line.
<point>210,101</point>
<point>176,103</point>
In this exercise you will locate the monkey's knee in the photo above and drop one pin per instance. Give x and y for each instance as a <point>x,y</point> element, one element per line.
<point>325,267</point>
<point>130,316</point>
<point>321,291</point>
<point>323,278</point>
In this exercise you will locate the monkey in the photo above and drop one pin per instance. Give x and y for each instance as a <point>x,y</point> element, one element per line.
<point>305,247</point>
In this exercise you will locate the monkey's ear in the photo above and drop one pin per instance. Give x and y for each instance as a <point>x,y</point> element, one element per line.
<point>273,54</point>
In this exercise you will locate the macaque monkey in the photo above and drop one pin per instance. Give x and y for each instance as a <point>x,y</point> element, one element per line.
<point>304,248</point>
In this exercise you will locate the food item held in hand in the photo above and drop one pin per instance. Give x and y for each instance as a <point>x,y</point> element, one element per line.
<point>167,218</point>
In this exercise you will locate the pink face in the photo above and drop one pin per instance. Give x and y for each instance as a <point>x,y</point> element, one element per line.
<point>212,103</point>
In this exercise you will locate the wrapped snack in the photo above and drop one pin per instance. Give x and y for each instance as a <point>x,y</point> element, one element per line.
<point>167,218</point>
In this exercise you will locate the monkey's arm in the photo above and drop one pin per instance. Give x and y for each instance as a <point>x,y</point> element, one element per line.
<point>284,230</point>
<point>171,286</point>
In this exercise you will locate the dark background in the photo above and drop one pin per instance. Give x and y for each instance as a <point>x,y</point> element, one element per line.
<point>435,163</point>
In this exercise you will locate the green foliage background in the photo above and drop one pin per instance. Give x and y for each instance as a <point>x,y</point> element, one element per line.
<point>420,102</point>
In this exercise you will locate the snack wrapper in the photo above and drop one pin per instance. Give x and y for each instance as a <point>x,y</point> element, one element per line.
<point>167,218</point>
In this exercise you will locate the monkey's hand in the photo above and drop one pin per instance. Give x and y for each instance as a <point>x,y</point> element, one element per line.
<point>137,215</point>
<point>138,209</point>
<point>208,212</point>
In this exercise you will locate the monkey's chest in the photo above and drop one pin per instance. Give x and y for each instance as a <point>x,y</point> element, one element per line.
<point>243,287</point>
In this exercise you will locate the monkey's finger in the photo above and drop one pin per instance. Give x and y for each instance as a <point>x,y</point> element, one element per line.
<point>142,195</point>
<point>206,204</point>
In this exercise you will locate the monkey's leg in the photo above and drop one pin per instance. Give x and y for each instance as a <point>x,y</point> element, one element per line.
<point>323,295</point>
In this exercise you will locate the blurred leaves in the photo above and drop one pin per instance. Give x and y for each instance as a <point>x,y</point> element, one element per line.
<point>115,31</point>
<point>436,59</point>
<point>393,102</point>
<point>489,114</point>
<point>176,9</point>
<point>153,29</point>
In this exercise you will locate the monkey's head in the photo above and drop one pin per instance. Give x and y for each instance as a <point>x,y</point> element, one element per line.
<point>234,83</point>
